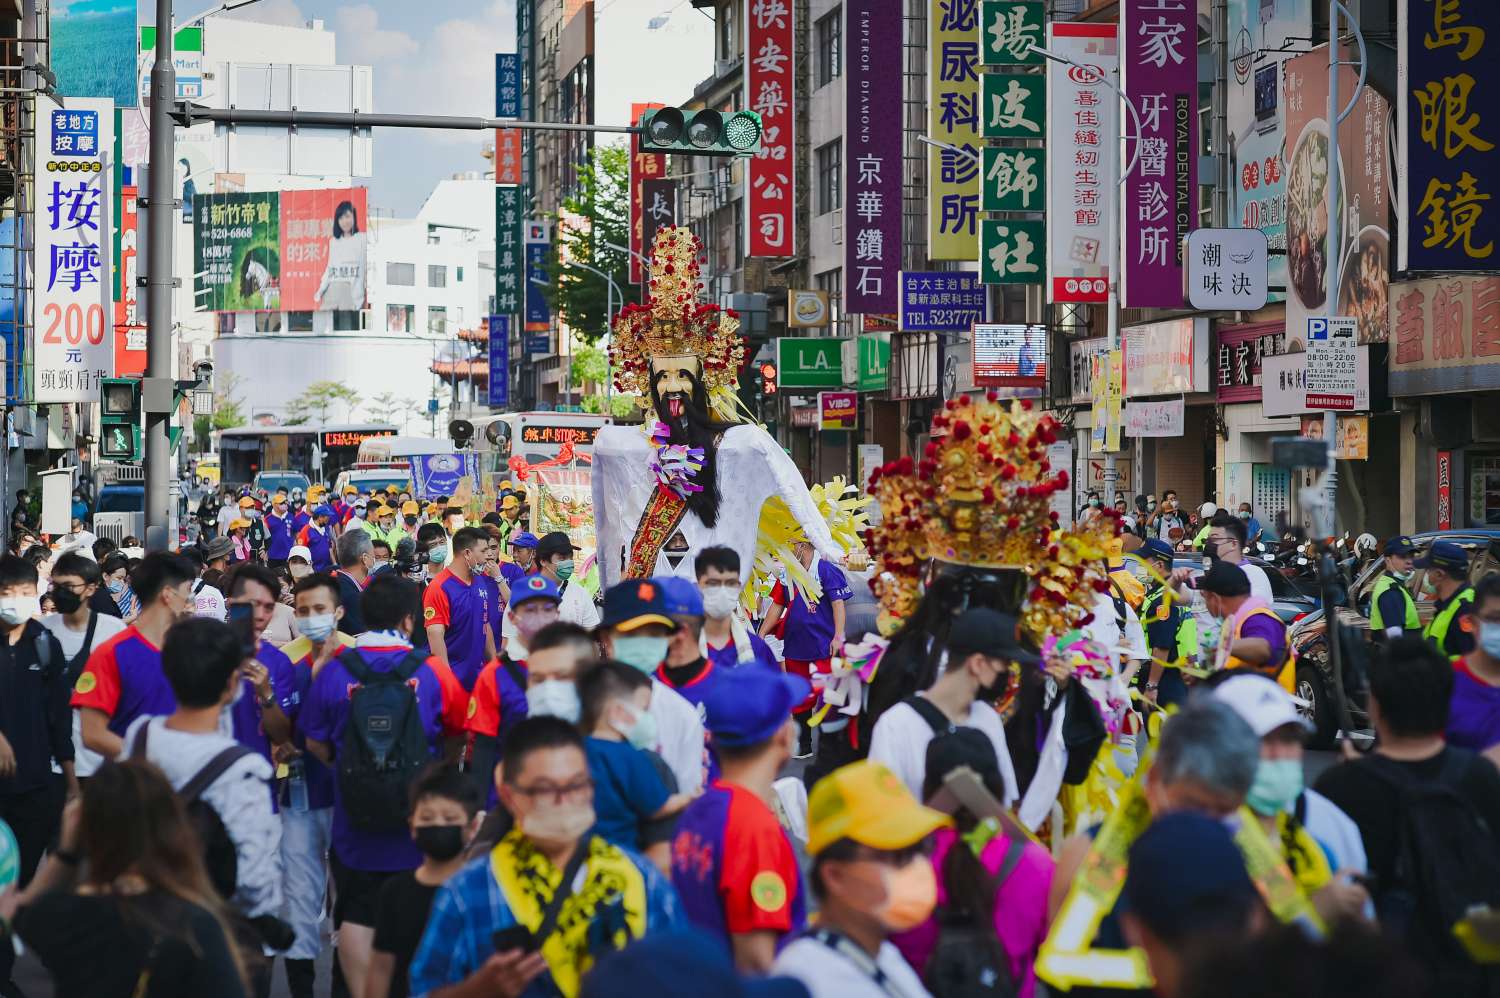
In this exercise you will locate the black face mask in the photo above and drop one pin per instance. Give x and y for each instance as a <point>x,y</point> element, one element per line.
<point>411,521</point>
<point>66,600</point>
<point>441,842</point>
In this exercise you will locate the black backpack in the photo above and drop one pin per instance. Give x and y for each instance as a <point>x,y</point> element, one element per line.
<point>1447,861</point>
<point>968,960</point>
<point>384,746</point>
<point>218,848</point>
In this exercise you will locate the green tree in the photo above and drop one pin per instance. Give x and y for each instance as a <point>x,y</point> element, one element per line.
<point>388,408</point>
<point>589,367</point>
<point>318,398</point>
<point>597,213</point>
<point>228,411</point>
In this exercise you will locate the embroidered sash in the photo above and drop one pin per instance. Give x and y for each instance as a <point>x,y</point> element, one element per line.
<point>663,514</point>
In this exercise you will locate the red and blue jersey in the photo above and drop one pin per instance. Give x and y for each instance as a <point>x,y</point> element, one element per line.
<point>319,542</point>
<point>278,536</point>
<point>300,519</point>
<point>809,631</point>
<point>324,717</point>
<point>728,656</point>
<point>460,607</point>
<point>245,714</point>
<point>319,776</point>
<point>494,604</point>
<point>123,678</point>
<point>498,701</point>
<point>734,867</point>
<point>511,572</point>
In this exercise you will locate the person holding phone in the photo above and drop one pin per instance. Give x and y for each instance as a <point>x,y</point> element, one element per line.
<point>262,710</point>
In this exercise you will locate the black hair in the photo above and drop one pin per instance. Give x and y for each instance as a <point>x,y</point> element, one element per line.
<point>103,548</point>
<point>196,558</point>
<point>160,570</point>
<point>1487,588</point>
<point>381,543</point>
<point>557,634</point>
<point>468,538</point>
<point>36,554</point>
<point>198,657</point>
<point>742,753</point>
<point>444,781</point>
<point>114,563</point>
<point>251,572</point>
<point>1283,960</point>
<point>429,532</point>
<point>388,600</point>
<point>837,851</point>
<point>534,734</point>
<point>1413,683</point>
<point>75,564</point>
<point>605,681</point>
<point>717,556</point>
<point>318,580</point>
<point>17,571</point>
<point>696,427</point>
<point>1226,520</point>
<point>343,207</point>
<point>491,518</point>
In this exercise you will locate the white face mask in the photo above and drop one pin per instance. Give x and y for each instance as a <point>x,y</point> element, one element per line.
<point>19,609</point>
<point>316,627</point>
<point>554,698</point>
<point>298,571</point>
<point>719,601</point>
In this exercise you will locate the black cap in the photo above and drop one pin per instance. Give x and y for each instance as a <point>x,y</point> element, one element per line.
<point>1399,545</point>
<point>554,543</point>
<point>1446,555</point>
<point>989,632</point>
<point>1224,579</point>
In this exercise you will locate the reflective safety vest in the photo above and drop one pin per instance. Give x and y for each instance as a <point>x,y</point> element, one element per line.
<point>1283,672</point>
<point>1437,628</point>
<point>1377,621</point>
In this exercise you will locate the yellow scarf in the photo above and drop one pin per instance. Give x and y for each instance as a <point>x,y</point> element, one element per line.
<point>608,910</point>
<point>1308,862</point>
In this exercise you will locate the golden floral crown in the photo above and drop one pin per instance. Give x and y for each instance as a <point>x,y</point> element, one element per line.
<point>673,322</point>
<point>980,496</point>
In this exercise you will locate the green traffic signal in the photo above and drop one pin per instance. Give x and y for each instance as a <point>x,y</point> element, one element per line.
<point>120,419</point>
<point>702,132</point>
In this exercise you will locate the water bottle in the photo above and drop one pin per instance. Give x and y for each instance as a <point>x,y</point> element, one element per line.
<point>296,782</point>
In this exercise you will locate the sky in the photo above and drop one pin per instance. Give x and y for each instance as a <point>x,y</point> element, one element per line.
<point>438,57</point>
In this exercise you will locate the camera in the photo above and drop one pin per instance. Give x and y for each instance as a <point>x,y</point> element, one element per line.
<point>408,560</point>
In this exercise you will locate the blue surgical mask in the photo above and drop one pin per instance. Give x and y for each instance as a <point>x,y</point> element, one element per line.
<point>317,627</point>
<point>641,652</point>
<point>437,555</point>
<point>1278,783</point>
<point>554,698</point>
<point>1489,638</point>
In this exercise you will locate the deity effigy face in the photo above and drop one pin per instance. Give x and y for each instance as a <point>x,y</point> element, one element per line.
<point>674,379</point>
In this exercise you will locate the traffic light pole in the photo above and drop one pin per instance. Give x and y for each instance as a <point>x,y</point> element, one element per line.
<point>156,390</point>
<point>187,115</point>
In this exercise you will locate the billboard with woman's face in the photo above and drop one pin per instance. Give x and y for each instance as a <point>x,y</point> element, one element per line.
<point>323,243</point>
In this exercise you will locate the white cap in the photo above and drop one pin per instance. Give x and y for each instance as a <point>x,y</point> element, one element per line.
<point>300,551</point>
<point>1207,509</point>
<point>1263,704</point>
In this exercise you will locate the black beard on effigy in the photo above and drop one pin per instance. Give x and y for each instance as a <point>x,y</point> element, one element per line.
<point>689,422</point>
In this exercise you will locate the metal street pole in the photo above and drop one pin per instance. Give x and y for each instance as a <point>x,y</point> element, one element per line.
<point>609,308</point>
<point>156,389</point>
<point>187,114</point>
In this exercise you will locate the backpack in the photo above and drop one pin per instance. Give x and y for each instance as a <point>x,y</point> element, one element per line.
<point>968,960</point>
<point>384,744</point>
<point>1447,861</point>
<point>218,848</point>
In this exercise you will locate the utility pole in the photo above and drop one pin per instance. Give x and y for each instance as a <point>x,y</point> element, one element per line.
<point>156,389</point>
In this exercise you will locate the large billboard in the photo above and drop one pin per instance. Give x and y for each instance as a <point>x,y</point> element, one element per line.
<point>323,250</point>
<point>92,49</point>
<point>1081,183</point>
<point>872,244</point>
<point>770,90</point>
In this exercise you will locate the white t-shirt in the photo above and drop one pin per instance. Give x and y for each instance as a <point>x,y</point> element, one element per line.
<point>900,739</point>
<point>679,735</point>
<point>1260,583</point>
<point>228,513</point>
<point>827,973</point>
<point>85,760</point>
<point>208,601</point>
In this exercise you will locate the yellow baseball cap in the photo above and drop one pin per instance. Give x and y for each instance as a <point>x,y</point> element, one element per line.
<point>868,803</point>
<point>247,503</point>
<point>411,508</point>
<point>316,490</point>
<point>239,524</point>
<point>279,498</point>
<point>392,490</point>
<point>350,490</point>
<point>509,502</point>
<point>433,509</point>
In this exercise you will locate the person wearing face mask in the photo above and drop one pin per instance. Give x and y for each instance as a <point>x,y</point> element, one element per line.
<point>982,646</point>
<point>278,526</point>
<point>123,678</point>
<point>1252,525</point>
<point>79,629</point>
<point>299,562</point>
<point>813,631</point>
<point>1451,629</point>
<point>554,559</point>
<point>637,629</point>
<point>1319,843</point>
<point>732,862</point>
<point>454,610</point>
<point>726,641</point>
<point>1474,710</point>
<point>356,561</point>
<point>1393,612</point>
<point>445,814</point>
<point>1251,635</point>
<point>522,556</point>
<point>865,834</point>
<point>317,536</point>
<point>551,898</point>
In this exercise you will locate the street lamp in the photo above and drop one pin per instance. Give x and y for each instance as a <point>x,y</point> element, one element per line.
<point>609,311</point>
<point>645,263</point>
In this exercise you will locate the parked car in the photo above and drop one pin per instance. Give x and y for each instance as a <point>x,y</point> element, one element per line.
<point>1287,600</point>
<point>280,481</point>
<point>1309,635</point>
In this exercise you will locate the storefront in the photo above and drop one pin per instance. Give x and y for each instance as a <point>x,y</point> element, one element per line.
<point>1245,470</point>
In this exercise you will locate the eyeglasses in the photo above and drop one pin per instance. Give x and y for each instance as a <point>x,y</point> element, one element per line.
<point>559,795</point>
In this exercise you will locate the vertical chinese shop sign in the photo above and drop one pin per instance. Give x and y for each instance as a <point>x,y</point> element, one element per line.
<point>643,166</point>
<point>509,258</point>
<point>1448,82</point>
<point>1081,112</point>
<point>1159,66</point>
<point>953,118</point>
<point>873,203</point>
<point>770,84</point>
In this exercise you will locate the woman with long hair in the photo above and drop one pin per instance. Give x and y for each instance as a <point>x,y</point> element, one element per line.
<point>342,289</point>
<point>124,908</point>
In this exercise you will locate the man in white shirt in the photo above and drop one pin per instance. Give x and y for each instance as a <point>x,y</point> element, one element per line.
<point>982,645</point>
<point>208,601</point>
<point>1226,540</point>
<point>79,630</point>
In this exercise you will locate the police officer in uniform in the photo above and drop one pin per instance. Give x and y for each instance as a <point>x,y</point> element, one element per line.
<point>1451,627</point>
<point>1171,630</point>
<point>1393,612</point>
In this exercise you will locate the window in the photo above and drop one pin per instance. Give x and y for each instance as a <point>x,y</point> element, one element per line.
<point>400,318</point>
<point>829,31</point>
<point>437,320</point>
<point>829,164</point>
<point>402,274</point>
<point>460,276</point>
<point>437,275</point>
<point>832,281</point>
<point>299,322</point>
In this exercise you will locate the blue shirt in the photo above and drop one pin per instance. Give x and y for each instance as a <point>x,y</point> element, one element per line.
<point>245,713</point>
<point>460,607</point>
<point>810,631</point>
<point>470,908</point>
<point>278,536</point>
<point>627,790</point>
<point>728,656</point>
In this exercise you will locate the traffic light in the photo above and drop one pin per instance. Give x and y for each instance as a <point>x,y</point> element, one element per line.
<point>768,378</point>
<point>120,419</point>
<point>702,132</point>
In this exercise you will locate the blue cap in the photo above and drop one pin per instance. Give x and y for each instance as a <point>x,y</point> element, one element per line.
<point>1445,555</point>
<point>750,704</point>
<point>522,540</point>
<point>636,603</point>
<point>1186,877</point>
<point>1155,548</point>
<point>682,597</point>
<point>324,510</point>
<point>1399,545</point>
<point>532,587</point>
<point>680,963</point>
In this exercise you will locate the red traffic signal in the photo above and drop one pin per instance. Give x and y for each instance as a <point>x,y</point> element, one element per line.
<point>768,378</point>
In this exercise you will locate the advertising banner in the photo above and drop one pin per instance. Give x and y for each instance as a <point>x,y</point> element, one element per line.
<point>1352,442</point>
<point>1010,355</point>
<point>1157,418</point>
<point>1331,360</point>
<point>1081,354</point>
<point>809,362</point>
<point>537,237</point>
<point>1284,383</point>
<point>1261,39</point>
<point>508,156</point>
<point>953,118</point>
<point>509,259</point>
<point>1166,358</point>
<point>942,301</point>
<point>237,252</point>
<point>72,348</point>
<point>1362,258</point>
<point>1081,114</point>
<point>187,61</point>
<point>643,166</point>
<point>838,410</point>
<point>658,209</point>
<point>1444,489</point>
<point>499,357</point>
<point>434,475</point>
<point>507,85</point>
<point>770,88</point>
<point>1237,359</point>
<point>872,156</point>
<point>1447,335</point>
<point>807,309</point>
<point>1011,28</point>
<point>1014,105</point>
<point>1159,73</point>
<point>873,363</point>
<point>323,250</point>
<point>1448,73</point>
<point>1226,269</point>
<point>130,321</point>
<point>1013,179</point>
<point>1010,250</point>
<point>92,49</point>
